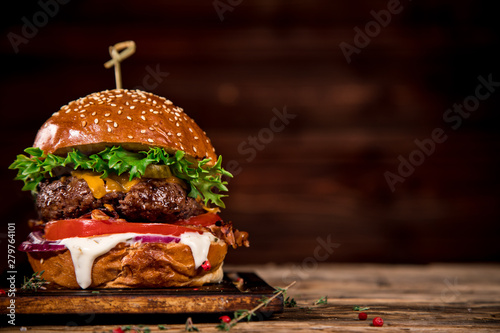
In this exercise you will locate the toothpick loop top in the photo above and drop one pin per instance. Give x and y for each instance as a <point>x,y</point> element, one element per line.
<point>127,48</point>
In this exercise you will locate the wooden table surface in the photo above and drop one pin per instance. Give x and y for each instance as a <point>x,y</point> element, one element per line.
<point>437,297</point>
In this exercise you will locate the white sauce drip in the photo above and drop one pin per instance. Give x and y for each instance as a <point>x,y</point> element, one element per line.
<point>84,250</point>
<point>199,245</point>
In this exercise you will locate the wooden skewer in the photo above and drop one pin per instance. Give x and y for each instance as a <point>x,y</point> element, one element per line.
<point>128,48</point>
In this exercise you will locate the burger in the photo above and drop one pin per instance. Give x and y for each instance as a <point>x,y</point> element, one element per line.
<point>128,191</point>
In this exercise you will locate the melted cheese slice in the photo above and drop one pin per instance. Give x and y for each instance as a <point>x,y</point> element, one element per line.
<point>84,250</point>
<point>102,186</point>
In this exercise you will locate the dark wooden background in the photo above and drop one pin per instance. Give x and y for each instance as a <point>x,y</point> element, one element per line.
<point>321,179</point>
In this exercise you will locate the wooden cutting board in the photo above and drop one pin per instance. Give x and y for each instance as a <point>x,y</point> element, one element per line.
<point>224,297</point>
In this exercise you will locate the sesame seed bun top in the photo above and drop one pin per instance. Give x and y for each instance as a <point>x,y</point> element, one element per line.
<point>133,119</point>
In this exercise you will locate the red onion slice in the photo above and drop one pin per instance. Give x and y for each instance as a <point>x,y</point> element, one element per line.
<point>36,242</point>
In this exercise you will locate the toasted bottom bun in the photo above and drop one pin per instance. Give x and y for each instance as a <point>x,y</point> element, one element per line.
<point>146,265</point>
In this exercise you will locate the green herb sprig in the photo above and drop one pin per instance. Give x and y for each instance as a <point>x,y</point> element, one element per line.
<point>201,178</point>
<point>322,301</point>
<point>360,308</point>
<point>248,314</point>
<point>132,328</point>
<point>35,282</point>
<point>287,301</point>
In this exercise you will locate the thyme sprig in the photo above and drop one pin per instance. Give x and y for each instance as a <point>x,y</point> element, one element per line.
<point>35,282</point>
<point>287,301</point>
<point>131,328</point>
<point>360,308</point>
<point>323,300</point>
<point>239,315</point>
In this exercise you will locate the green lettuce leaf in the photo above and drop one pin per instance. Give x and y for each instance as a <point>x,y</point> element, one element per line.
<point>205,181</point>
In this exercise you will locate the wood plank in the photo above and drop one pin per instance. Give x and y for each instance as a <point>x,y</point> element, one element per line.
<point>417,298</point>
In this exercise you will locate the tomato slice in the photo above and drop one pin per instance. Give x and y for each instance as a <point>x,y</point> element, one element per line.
<point>87,227</point>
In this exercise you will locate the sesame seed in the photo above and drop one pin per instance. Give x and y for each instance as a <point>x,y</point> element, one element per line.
<point>196,138</point>
<point>84,123</point>
<point>96,120</point>
<point>107,114</point>
<point>129,118</point>
<point>143,112</point>
<point>130,137</point>
<point>82,115</point>
<point>67,111</point>
<point>119,95</point>
<point>115,124</point>
<point>151,129</point>
<point>155,112</point>
<point>194,149</point>
<point>120,111</point>
<point>109,121</point>
<point>94,113</point>
<point>179,134</point>
<point>190,130</point>
<point>177,124</point>
<point>143,118</point>
<point>150,140</point>
<point>143,131</point>
<point>109,129</point>
<point>135,100</point>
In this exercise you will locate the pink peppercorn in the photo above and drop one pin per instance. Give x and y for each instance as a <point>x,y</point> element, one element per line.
<point>225,319</point>
<point>377,321</point>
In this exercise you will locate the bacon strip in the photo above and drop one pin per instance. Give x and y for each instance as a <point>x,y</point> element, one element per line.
<point>233,237</point>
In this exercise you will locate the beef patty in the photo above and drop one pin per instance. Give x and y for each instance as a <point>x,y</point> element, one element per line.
<point>150,200</point>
